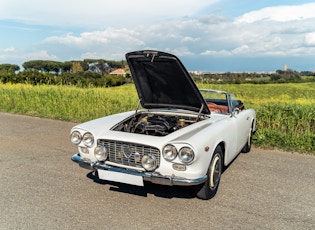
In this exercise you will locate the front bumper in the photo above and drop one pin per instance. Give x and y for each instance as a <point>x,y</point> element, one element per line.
<point>153,177</point>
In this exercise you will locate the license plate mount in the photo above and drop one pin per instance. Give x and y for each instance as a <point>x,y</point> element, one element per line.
<point>120,177</point>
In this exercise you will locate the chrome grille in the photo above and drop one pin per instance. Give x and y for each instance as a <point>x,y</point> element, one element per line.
<point>129,154</point>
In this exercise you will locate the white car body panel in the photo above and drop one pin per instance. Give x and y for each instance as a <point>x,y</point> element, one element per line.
<point>231,130</point>
<point>197,126</point>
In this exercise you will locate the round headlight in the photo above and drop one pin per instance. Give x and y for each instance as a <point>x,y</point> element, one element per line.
<point>169,152</point>
<point>100,153</point>
<point>88,139</point>
<point>186,155</point>
<point>75,137</point>
<point>149,162</point>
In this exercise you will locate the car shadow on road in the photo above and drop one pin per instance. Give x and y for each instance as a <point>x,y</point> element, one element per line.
<point>163,191</point>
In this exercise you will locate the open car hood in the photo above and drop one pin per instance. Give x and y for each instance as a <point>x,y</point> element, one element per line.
<point>163,82</point>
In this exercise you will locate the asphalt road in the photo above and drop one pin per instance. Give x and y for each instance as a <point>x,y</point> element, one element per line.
<point>41,188</point>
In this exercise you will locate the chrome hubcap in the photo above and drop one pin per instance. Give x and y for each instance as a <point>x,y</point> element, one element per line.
<point>249,137</point>
<point>215,171</point>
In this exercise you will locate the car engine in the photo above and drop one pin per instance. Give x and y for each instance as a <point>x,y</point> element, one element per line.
<point>155,124</point>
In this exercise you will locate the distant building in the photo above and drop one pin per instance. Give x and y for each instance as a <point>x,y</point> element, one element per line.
<point>196,72</point>
<point>118,72</point>
<point>285,68</point>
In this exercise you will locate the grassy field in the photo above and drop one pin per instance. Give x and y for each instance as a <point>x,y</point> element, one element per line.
<point>285,112</point>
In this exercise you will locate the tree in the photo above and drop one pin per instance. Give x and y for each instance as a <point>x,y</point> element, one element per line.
<point>76,67</point>
<point>44,66</point>
<point>307,73</point>
<point>67,66</point>
<point>9,67</point>
<point>98,65</point>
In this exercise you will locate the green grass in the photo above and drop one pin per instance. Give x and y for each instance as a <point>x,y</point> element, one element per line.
<point>66,102</point>
<point>285,112</point>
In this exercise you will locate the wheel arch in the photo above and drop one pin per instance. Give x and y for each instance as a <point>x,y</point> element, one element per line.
<point>222,145</point>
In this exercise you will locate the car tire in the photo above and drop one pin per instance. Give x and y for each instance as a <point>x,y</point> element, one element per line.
<point>208,189</point>
<point>248,145</point>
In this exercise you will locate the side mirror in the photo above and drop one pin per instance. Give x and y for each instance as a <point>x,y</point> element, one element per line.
<point>235,111</point>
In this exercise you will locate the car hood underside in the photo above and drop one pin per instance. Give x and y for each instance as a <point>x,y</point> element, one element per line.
<point>162,81</point>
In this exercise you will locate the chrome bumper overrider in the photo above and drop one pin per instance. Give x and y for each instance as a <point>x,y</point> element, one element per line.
<point>153,177</point>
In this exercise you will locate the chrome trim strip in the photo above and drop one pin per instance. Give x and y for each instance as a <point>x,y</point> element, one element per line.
<point>155,178</point>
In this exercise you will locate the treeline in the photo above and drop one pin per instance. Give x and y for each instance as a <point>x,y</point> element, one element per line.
<point>89,72</point>
<point>94,65</point>
<point>80,79</point>
<point>280,76</point>
<point>95,72</point>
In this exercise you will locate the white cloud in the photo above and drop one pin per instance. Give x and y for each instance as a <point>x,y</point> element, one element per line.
<point>119,26</point>
<point>9,49</point>
<point>189,39</point>
<point>240,50</point>
<point>280,13</point>
<point>108,44</point>
<point>264,33</point>
<point>310,39</point>
<point>216,53</point>
<point>39,55</point>
<point>181,51</point>
<point>19,56</point>
<point>87,39</point>
<point>98,13</point>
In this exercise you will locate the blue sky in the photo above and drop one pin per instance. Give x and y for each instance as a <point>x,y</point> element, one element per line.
<point>207,35</point>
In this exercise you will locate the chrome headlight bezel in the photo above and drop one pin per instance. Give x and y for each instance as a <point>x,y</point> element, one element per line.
<point>76,137</point>
<point>100,153</point>
<point>149,162</point>
<point>88,139</point>
<point>169,152</point>
<point>186,155</point>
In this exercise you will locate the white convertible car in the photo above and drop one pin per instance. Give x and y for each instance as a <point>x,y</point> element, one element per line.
<point>178,134</point>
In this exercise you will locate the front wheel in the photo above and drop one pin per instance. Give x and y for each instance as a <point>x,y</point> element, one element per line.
<point>248,145</point>
<point>208,189</point>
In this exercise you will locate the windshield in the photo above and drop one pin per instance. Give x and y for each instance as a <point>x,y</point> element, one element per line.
<point>221,102</point>
<point>217,101</point>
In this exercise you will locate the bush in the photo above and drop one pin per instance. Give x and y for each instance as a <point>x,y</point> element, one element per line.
<point>289,126</point>
<point>80,79</point>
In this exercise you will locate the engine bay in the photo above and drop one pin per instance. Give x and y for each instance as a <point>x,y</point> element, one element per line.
<point>155,124</point>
